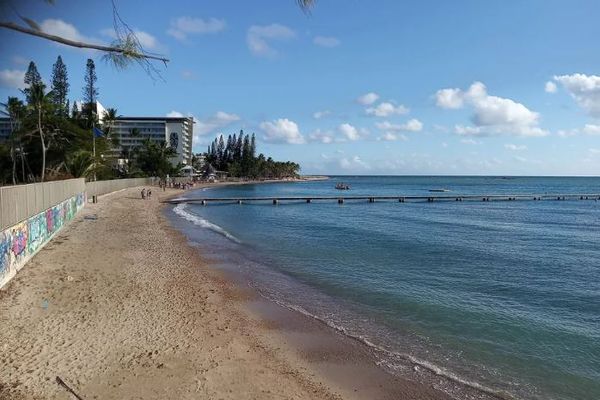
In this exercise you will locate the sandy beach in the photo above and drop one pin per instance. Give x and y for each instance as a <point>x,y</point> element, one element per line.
<point>120,307</point>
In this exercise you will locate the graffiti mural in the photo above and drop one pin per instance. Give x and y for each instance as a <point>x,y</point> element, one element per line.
<point>19,242</point>
<point>37,232</point>
<point>5,250</point>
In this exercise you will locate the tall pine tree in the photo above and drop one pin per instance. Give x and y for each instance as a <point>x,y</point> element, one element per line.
<point>221,153</point>
<point>90,91</point>
<point>246,156</point>
<point>32,78</point>
<point>60,87</point>
<point>238,147</point>
<point>253,146</point>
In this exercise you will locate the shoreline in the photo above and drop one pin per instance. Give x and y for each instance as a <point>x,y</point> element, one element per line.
<point>307,333</point>
<point>120,305</point>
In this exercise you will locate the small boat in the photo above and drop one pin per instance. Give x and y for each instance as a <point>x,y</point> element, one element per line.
<point>342,186</point>
<point>439,190</point>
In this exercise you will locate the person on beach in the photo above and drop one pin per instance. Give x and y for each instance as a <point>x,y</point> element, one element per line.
<point>149,194</point>
<point>143,193</point>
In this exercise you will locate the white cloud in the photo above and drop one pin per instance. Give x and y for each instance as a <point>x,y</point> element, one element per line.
<point>321,114</point>
<point>18,60</point>
<point>258,38</point>
<point>520,159</point>
<point>188,75</point>
<point>594,150</point>
<point>449,98</point>
<point>353,163</point>
<point>213,123</point>
<point>386,109</point>
<point>391,136</point>
<point>368,98</point>
<point>588,129</point>
<point>326,41</point>
<point>567,133</point>
<point>492,115</point>
<point>515,147</point>
<point>282,130</point>
<point>349,131</point>
<point>469,141</point>
<point>413,125</point>
<point>146,40</point>
<point>61,28</point>
<point>322,137</point>
<point>183,26</point>
<point>12,78</point>
<point>591,129</point>
<point>550,87</point>
<point>175,114</point>
<point>585,89</point>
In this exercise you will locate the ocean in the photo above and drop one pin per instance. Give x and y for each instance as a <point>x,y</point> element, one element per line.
<point>501,296</point>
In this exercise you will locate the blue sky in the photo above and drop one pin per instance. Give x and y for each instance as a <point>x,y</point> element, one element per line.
<point>365,87</point>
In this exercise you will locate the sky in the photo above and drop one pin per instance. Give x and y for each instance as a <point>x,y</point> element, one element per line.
<point>473,87</point>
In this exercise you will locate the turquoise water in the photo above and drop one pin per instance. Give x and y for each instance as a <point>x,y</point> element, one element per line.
<point>502,295</point>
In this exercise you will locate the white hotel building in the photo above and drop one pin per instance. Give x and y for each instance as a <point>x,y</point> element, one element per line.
<point>176,132</point>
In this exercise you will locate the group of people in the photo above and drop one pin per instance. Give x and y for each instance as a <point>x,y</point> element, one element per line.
<point>184,186</point>
<point>175,185</point>
<point>146,194</point>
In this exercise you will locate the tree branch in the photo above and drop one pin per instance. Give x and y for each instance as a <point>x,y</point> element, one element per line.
<point>81,45</point>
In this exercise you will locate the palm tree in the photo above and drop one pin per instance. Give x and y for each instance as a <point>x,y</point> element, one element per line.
<point>154,159</point>
<point>108,120</point>
<point>40,106</point>
<point>81,164</point>
<point>15,110</point>
<point>135,132</point>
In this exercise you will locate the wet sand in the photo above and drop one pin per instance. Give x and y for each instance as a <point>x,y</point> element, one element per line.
<point>119,306</point>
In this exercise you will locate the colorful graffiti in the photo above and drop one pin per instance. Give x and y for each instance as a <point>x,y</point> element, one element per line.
<point>19,242</point>
<point>37,232</point>
<point>5,251</point>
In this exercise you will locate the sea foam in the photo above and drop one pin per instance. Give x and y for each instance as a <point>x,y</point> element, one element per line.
<point>180,210</point>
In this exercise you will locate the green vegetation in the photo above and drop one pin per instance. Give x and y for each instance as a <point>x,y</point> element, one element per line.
<point>238,158</point>
<point>47,142</point>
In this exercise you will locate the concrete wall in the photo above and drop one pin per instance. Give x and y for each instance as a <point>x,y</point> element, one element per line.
<point>21,241</point>
<point>30,215</point>
<point>18,203</point>
<point>99,188</point>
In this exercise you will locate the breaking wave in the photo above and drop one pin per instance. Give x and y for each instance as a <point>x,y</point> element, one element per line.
<point>180,210</point>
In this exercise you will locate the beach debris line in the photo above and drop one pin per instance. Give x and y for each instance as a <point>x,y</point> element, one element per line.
<point>67,388</point>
